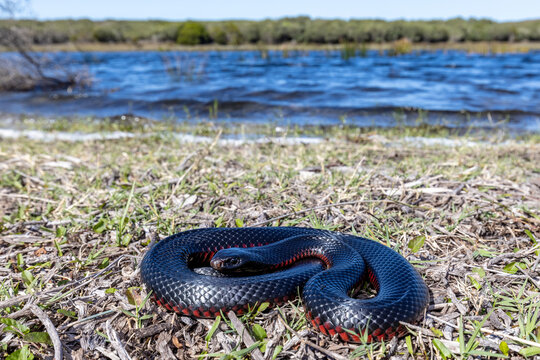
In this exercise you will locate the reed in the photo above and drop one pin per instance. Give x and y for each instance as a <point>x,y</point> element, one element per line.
<point>400,47</point>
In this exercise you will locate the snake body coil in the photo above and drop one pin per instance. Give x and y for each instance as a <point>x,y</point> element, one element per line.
<point>327,265</point>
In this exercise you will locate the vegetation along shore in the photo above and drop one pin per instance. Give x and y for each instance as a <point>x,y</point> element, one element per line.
<point>296,30</point>
<point>77,217</point>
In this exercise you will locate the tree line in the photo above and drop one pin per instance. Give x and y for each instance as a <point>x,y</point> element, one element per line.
<point>299,30</point>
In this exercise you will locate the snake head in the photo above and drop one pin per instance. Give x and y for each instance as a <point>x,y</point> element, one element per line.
<point>235,260</point>
<point>226,264</point>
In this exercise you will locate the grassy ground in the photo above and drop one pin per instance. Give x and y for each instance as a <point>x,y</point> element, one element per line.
<point>77,217</point>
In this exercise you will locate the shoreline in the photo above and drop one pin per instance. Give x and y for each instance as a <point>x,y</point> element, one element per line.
<point>481,47</point>
<point>16,125</point>
<point>238,140</point>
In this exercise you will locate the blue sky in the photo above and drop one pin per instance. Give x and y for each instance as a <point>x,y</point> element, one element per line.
<point>501,10</point>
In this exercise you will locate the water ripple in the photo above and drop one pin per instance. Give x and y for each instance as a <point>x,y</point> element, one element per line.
<point>313,87</point>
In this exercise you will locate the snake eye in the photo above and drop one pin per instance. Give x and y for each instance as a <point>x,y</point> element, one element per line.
<point>233,261</point>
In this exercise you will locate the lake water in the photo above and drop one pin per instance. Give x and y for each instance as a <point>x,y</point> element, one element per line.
<point>303,88</point>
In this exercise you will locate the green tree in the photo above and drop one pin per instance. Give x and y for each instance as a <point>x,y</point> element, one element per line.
<point>192,33</point>
<point>220,37</point>
<point>252,32</point>
<point>233,34</point>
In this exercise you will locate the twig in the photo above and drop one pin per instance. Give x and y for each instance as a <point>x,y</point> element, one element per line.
<point>34,179</point>
<point>418,328</point>
<point>89,279</point>
<point>177,180</point>
<point>530,278</point>
<point>353,202</point>
<point>25,311</point>
<point>439,306</point>
<point>50,293</point>
<point>461,308</point>
<point>51,330</point>
<point>511,337</point>
<point>261,223</point>
<point>294,340</point>
<point>162,345</point>
<point>13,38</point>
<point>311,344</point>
<point>30,223</point>
<point>498,272</point>
<point>19,299</point>
<point>442,321</point>
<point>536,263</point>
<point>519,254</point>
<point>152,330</point>
<point>492,332</point>
<point>115,342</point>
<point>21,196</point>
<point>244,334</point>
<point>107,353</point>
<point>42,222</point>
<point>20,239</point>
<point>91,317</point>
<point>393,347</point>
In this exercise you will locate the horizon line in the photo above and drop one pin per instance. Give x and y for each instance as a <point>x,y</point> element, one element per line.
<point>76,18</point>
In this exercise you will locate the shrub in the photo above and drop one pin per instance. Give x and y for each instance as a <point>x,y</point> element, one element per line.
<point>438,33</point>
<point>219,36</point>
<point>50,37</point>
<point>168,33</point>
<point>314,32</point>
<point>227,33</point>
<point>108,34</point>
<point>192,33</point>
<point>252,33</point>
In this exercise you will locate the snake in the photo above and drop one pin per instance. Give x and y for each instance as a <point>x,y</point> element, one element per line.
<point>210,271</point>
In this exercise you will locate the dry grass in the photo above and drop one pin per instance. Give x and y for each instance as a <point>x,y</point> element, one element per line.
<point>77,218</point>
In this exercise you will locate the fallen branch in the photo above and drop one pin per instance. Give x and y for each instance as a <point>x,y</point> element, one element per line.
<point>30,309</point>
<point>244,334</point>
<point>418,328</point>
<point>491,332</point>
<point>51,330</point>
<point>91,317</point>
<point>152,330</point>
<point>115,342</point>
<point>310,344</point>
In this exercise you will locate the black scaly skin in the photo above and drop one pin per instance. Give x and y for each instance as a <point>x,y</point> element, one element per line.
<point>402,294</point>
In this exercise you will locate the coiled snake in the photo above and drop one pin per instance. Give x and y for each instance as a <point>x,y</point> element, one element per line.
<point>325,265</point>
